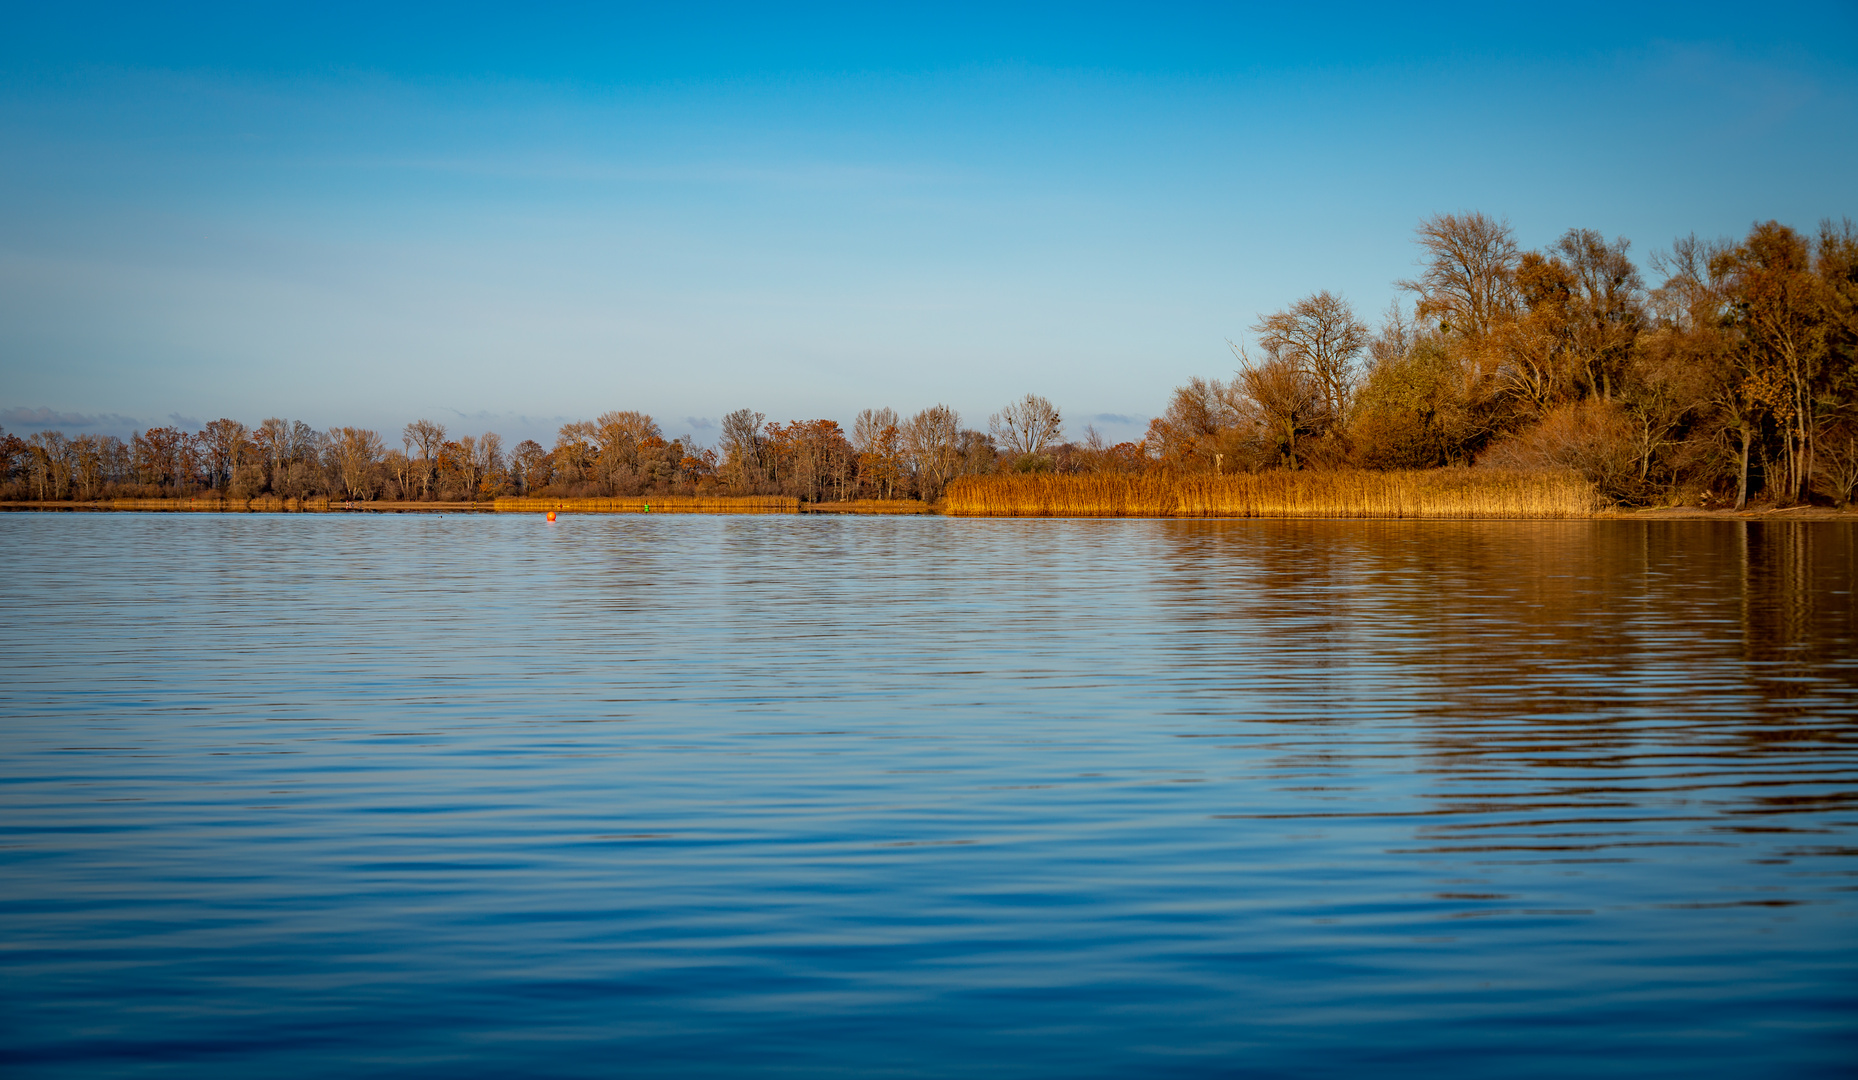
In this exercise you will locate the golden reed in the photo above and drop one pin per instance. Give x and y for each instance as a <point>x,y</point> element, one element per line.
<point>212,501</point>
<point>871,506</point>
<point>661,504</point>
<point>1430,493</point>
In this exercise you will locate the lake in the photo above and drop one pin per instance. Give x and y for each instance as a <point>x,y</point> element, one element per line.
<point>467,795</point>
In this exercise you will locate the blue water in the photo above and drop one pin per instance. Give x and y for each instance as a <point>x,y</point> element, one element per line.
<point>411,795</point>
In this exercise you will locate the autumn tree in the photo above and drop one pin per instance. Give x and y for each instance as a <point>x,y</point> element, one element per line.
<point>1199,430</point>
<point>1096,455</point>
<point>1536,368</point>
<point>698,467</point>
<point>1836,261</point>
<point>1781,306</point>
<point>810,458</point>
<point>1591,437</point>
<point>577,452</point>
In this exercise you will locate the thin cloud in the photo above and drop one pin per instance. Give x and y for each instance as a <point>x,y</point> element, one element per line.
<point>43,417</point>
<point>485,416</point>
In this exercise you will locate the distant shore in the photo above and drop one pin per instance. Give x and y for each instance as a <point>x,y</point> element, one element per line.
<point>862,506</point>
<point>1698,513</point>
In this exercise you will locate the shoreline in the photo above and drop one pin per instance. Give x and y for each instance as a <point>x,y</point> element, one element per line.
<point>864,507</point>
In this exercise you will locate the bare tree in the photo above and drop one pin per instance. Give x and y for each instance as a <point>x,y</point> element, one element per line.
<point>428,437</point>
<point>490,456</point>
<point>1396,337</point>
<point>869,426</point>
<point>1321,336</point>
<point>273,439</point>
<point>86,458</point>
<point>619,435</point>
<point>929,440</point>
<point>306,443</point>
<point>1608,308</point>
<point>1283,405</point>
<point>1465,278</point>
<point>221,441</point>
<point>1027,426</point>
<point>528,464</point>
<point>355,452</point>
<point>979,456</point>
<point>577,451</point>
<point>399,469</point>
<point>461,458</point>
<point>741,443</point>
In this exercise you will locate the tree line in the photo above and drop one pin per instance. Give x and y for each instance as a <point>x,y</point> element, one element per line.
<point>1734,377</point>
<point>619,453</point>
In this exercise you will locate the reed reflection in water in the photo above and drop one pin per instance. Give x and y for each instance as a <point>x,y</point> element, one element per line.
<point>722,796</point>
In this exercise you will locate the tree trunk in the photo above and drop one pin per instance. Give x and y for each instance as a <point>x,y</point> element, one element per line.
<point>1741,490</point>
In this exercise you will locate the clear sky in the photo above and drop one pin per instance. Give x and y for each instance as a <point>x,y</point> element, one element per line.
<point>501,218</point>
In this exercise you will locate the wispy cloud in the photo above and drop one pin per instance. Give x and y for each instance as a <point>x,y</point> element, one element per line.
<point>486,416</point>
<point>43,418</point>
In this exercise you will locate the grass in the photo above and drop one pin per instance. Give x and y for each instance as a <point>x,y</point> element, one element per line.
<point>1431,493</point>
<point>660,504</point>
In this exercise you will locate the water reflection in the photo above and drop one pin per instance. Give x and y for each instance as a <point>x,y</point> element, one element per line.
<point>1568,696</point>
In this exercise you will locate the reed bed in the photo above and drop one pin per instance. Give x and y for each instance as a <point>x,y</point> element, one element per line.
<point>660,504</point>
<point>1431,493</point>
<point>205,502</point>
<point>214,502</point>
<point>871,506</point>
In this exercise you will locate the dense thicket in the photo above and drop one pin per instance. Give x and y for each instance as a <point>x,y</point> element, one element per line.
<point>1733,378</point>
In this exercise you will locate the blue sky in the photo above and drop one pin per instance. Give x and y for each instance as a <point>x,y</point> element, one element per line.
<point>500,218</point>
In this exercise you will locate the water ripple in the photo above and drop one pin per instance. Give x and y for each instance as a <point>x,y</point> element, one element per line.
<point>411,795</point>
